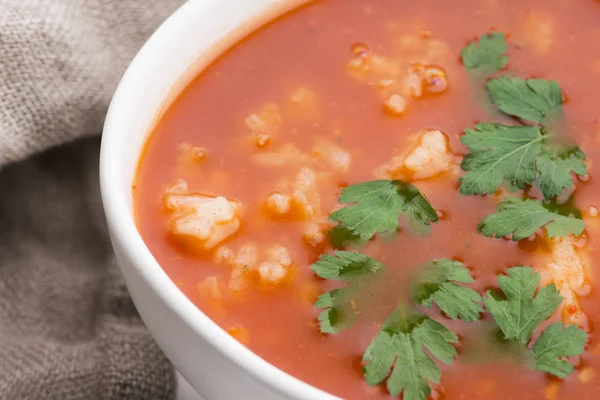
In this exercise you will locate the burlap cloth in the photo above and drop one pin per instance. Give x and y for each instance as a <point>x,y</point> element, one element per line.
<point>68,329</point>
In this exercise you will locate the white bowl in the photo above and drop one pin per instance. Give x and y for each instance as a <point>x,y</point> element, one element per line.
<point>214,363</point>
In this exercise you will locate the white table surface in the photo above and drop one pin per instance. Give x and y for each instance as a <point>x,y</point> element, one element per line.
<point>185,391</point>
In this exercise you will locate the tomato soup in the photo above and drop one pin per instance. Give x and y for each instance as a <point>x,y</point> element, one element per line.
<point>393,198</point>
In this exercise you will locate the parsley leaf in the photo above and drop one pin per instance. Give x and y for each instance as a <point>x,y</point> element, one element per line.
<point>499,152</point>
<point>554,170</point>
<point>517,155</point>
<point>340,237</point>
<point>522,311</point>
<point>400,347</point>
<point>554,345</point>
<point>346,266</point>
<point>534,100</point>
<point>521,218</point>
<point>337,314</point>
<point>486,54</point>
<point>438,281</point>
<point>376,206</point>
<point>342,266</point>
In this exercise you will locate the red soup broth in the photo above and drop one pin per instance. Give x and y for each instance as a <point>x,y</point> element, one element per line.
<point>308,96</point>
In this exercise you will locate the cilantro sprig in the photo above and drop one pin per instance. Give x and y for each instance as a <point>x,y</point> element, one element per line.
<point>337,304</point>
<point>407,350</point>
<point>521,312</point>
<point>517,155</point>
<point>398,353</point>
<point>534,100</point>
<point>438,281</point>
<point>400,345</point>
<point>498,153</point>
<point>520,154</point>
<point>521,218</point>
<point>524,153</point>
<point>554,345</point>
<point>555,166</point>
<point>376,207</point>
<point>486,55</point>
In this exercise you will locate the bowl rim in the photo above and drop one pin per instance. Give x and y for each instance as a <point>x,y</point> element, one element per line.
<point>124,231</point>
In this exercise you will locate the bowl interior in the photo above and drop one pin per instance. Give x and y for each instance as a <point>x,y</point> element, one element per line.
<point>186,43</point>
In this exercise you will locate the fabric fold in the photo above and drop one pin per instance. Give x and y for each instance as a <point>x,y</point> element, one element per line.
<point>68,328</point>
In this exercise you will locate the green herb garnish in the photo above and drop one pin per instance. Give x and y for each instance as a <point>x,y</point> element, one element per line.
<point>534,100</point>
<point>342,266</point>
<point>406,334</point>
<point>554,345</point>
<point>398,353</point>
<point>554,169</point>
<point>438,281</point>
<point>376,206</point>
<point>523,154</point>
<point>522,312</point>
<point>521,218</point>
<point>406,351</point>
<point>487,54</point>
<point>497,153</point>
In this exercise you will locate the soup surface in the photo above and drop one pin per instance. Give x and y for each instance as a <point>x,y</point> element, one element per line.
<point>242,173</point>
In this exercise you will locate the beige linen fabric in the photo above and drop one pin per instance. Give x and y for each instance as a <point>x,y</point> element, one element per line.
<point>68,329</point>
